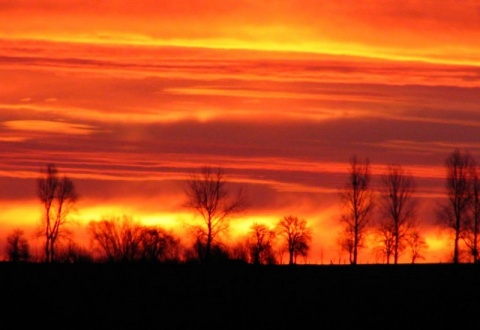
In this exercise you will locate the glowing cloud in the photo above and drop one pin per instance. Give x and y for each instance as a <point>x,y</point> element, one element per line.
<point>410,29</point>
<point>52,127</point>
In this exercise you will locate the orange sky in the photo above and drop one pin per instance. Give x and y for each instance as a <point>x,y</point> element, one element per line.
<point>128,97</point>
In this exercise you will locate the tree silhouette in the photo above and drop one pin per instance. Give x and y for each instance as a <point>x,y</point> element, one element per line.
<point>260,241</point>
<point>208,195</point>
<point>357,200</point>
<point>240,250</point>
<point>159,245</point>
<point>398,211</point>
<point>122,239</point>
<point>454,213</point>
<point>73,253</point>
<point>417,244</point>
<point>119,238</point>
<point>345,241</point>
<point>386,239</point>
<point>17,247</point>
<point>297,237</point>
<point>471,234</point>
<point>58,197</point>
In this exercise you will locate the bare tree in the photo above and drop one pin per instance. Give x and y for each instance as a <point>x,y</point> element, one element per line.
<point>417,244</point>
<point>208,195</point>
<point>17,248</point>
<point>297,236</point>
<point>398,209</point>
<point>357,199</point>
<point>239,251</point>
<point>72,252</point>
<point>219,252</point>
<point>345,242</point>
<point>471,234</point>
<point>122,239</point>
<point>159,245</point>
<point>58,197</point>
<point>118,238</point>
<point>386,242</point>
<point>454,213</point>
<point>260,244</point>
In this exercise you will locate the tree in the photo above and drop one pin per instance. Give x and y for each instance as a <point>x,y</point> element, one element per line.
<point>454,213</point>
<point>119,238</point>
<point>398,211</point>
<point>73,253</point>
<point>386,240</point>
<point>260,244</point>
<point>240,251</point>
<point>158,245</point>
<point>17,247</point>
<point>208,195</point>
<point>417,244</point>
<point>471,235</point>
<point>122,239</point>
<point>345,242</point>
<point>58,197</point>
<point>357,199</point>
<point>297,236</point>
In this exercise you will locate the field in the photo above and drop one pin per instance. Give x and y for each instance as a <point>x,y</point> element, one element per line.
<point>102,296</point>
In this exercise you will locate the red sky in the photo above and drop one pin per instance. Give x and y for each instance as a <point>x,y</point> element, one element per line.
<point>127,98</point>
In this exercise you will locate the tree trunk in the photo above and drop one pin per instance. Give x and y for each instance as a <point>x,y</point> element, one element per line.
<point>455,248</point>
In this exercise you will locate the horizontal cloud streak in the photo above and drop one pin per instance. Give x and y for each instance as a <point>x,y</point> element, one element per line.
<point>409,29</point>
<point>44,126</point>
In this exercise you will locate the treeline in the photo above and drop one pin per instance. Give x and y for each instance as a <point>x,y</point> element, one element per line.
<point>386,215</point>
<point>123,240</point>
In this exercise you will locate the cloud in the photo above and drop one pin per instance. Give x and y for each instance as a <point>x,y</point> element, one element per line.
<point>51,127</point>
<point>427,30</point>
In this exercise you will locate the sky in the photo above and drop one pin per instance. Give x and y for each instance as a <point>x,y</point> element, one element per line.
<point>128,98</point>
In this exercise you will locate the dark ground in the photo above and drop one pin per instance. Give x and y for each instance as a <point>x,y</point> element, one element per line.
<point>101,296</point>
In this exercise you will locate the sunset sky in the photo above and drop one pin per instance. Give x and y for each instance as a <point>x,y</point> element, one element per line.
<point>129,97</point>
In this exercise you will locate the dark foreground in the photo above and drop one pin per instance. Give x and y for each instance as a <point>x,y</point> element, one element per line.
<point>96,296</point>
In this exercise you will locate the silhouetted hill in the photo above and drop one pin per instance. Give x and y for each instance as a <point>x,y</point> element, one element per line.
<point>112,296</point>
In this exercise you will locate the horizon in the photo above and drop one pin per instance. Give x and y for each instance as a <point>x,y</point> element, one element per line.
<point>128,100</point>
